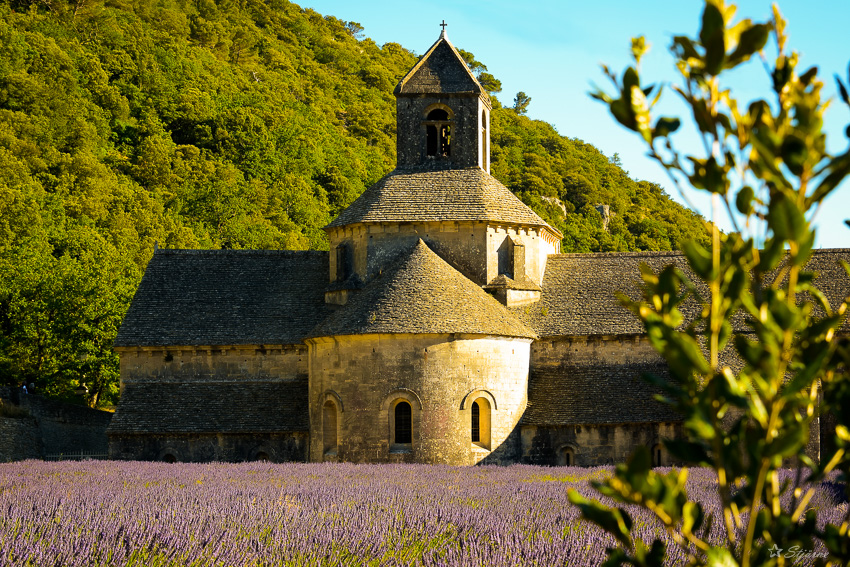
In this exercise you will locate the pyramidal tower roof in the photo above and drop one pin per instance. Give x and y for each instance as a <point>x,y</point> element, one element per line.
<point>441,70</point>
<point>422,294</point>
<point>449,195</point>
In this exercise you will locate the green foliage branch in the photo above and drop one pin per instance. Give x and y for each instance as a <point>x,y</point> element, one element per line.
<point>768,165</point>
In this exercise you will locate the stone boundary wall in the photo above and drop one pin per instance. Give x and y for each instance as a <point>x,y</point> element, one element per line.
<point>19,439</point>
<point>53,427</point>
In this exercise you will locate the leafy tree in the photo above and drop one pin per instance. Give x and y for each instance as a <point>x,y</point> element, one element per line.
<point>355,29</point>
<point>474,65</point>
<point>769,163</point>
<point>490,83</point>
<point>521,102</point>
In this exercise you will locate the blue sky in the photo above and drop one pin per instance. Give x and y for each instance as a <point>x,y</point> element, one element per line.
<point>551,50</point>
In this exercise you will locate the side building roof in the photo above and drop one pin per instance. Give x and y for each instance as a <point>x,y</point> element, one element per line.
<point>596,394</point>
<point>832,280</point>
<point>226,297</point>
<point>212,407</point>
<point>469,194</point>
<point>421,293</point>
<point>579,295</point>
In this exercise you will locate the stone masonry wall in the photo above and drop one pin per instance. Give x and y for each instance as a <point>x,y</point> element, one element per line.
<point>471,248</point>
<point>376,246</point>
<point>224,447</point>
<point>593,445</point>
<point>19,439</point>
<point>67,428</point>
<point>589,351</point>
<point>537,250</point>
<point>213,363</point>
<point>441,374</point>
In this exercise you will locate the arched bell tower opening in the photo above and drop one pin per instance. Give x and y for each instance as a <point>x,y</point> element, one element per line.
<point>438,131</point>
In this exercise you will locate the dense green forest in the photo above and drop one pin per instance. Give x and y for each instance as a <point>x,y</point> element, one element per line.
<point>229,124</point>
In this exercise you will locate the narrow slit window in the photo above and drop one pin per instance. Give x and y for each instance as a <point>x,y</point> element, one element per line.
<point>329,428</point>
<point>485,152</point>
<point>476,423</point>
<point>343,262</point>
<point>657,456</point>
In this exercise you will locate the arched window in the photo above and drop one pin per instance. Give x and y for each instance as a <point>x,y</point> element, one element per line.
<point>402,410</point>
<point>262,456</point>
<point>480,410</point>
<point>169,458</point>
<point>567,457</point>
<point>329,428</point>
<point>403,424</point>
<point>438,127</point>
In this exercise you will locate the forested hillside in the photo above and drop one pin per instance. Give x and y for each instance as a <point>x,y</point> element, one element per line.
<point>237,124</point>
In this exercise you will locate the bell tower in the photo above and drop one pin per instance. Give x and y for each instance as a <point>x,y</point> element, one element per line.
<point>441,192</point>
<point>443,113</point>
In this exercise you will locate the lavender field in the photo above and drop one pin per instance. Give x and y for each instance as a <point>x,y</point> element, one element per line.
<point>135,513</point>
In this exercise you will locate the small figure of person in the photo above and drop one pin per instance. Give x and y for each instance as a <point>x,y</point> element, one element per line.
<point>24,389</point>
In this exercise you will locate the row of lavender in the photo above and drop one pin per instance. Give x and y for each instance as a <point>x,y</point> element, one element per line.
<point>134,513</point>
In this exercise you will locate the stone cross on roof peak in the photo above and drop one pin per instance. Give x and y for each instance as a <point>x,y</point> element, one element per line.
<point>443,25</point>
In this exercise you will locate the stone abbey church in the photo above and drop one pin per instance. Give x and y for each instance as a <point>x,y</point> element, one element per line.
<point>444,325</point>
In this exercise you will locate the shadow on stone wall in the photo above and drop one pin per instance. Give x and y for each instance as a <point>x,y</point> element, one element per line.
<point>508,453</point>
<point>285,446</point>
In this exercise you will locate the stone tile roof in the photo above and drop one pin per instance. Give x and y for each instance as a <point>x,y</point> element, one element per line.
<point>444,195</point>
<point>832,280</point>
<point>579,290</point>
<point>421,293</point>
<point>603,393</point>
<point>441,70</point>
<point>578,295</point>
<point>211,407</point>
<point>226,297</point>
<point>502,281</point>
